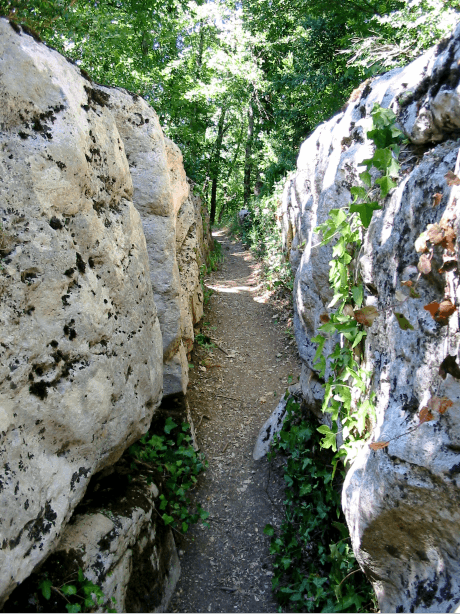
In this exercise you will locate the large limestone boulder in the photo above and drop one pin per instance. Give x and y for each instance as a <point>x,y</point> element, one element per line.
<point>80,344</point>
<point>160,188</point>
<point>401,502</point>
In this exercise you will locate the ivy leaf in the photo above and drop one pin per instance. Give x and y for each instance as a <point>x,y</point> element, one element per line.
<point>366,178</point>
<point>69,589</point>
<point>365,211</point>
<point>378,445</point>
<point>269,530</point>
<point>366,315</point>
<point>359,336</point>
<point>45,588</point>
<point>386,184</point>
<point>403,322</point>
<point>382,159</point>
<point>73,607</point>
<point>167,519</point>
<point>425,415</point>
<point>357,293</point>
<point>169,425</point>
<point>329,439</point>
<point>358,192</point>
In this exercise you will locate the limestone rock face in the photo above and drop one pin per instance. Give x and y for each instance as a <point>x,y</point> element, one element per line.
<point>160,187</point>
<point>80,344</point>
<point>192,245</point>
<point>401,503</point>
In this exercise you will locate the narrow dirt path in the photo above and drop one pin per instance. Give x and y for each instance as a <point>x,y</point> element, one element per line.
<point>233,390</point>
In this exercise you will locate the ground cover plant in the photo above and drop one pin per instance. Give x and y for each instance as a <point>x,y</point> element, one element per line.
<point>172,455</point>
<point>314,566</point>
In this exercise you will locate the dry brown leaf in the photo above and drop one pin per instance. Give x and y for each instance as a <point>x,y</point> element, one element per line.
<point>435,233</point>
<point>432,308</point>
<point>424,264</point>
<point>425,415</point>
<point>366,315</point>
<point>348,310</point>
<point>439,404</point>
<point>324,318</point>
<point>446,309</point>
<point>436,199</point>
<point>378,445</point>
<point>449,239</point>
<point>420,243</point>
<point>452,178</point>
<point>407,283</point>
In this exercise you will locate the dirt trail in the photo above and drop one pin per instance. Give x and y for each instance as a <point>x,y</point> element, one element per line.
<point>226,567</point>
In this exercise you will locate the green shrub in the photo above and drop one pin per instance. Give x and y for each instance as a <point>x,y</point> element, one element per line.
<point>314,567</point>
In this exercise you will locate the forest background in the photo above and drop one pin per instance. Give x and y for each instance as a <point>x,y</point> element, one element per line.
<point>238,84</point>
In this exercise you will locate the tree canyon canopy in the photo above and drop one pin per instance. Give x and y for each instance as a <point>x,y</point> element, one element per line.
<point>237,85</point>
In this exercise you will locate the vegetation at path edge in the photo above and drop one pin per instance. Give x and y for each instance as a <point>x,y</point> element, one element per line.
<point>314,569</point>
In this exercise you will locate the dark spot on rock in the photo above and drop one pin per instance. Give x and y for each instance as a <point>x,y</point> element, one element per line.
<point>81,266</point>
<point>39,389</point>
<point>77,475</point>
<point>449,365</point>
<point>23,135</point>
<point>54,343</point>
<point>455,470</point>
<point>69,272</point>
<point>392,551</point>
<point>55,223</point>
<point>65,300</point>
<point>60,165</point>
<point>91,262</point>
<point>85,75</point>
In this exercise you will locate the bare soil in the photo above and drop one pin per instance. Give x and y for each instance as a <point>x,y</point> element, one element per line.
<point>234,388</point>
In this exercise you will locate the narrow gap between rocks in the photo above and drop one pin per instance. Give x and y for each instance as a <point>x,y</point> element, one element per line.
<point>234,387</point>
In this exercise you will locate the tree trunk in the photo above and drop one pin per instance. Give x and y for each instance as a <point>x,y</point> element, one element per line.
<point>230,171</point>
<point>215,166</point>
<point>247,157</point>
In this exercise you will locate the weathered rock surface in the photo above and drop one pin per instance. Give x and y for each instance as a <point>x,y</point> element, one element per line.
<point>90,194</point>
<point>81,344</point>
<point>402,502</point>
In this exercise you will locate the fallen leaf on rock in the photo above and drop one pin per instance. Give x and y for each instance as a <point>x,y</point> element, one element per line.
<point>201,368</point>
<point>407,283</point>
<point>452,178</point>
<point>439,404</point>
<point>378,445</point>
<point>403,322</point>
<point>424,264</point>
<point>436,199</point>
<point>440,312</point>
<point>262,400</point>
<point>425,415</point>
<point>366,315</point>
<point>449,239</point>
<point>324,318</point>
<point>420,243</point>
<point>435,233</point>
<point>348,310</point>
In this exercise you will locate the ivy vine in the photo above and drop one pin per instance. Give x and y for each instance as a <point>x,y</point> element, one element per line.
<point>347,397</point>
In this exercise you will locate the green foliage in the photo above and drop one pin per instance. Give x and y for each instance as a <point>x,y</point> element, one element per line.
<point>81,596</point>
<point>264,237</point>
<point>315,569</point>
<point>347,398</point>
<point>179,465</point>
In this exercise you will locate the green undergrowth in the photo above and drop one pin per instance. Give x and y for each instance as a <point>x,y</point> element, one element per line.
<point>263,236</point>
<point>314,566</point>
<point>214,258</point>
<point>173,456</point>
